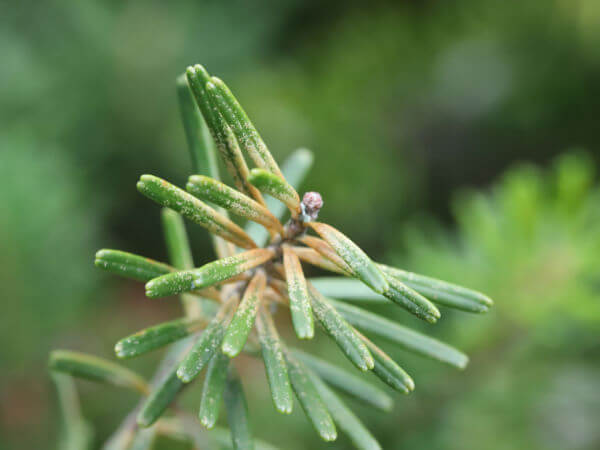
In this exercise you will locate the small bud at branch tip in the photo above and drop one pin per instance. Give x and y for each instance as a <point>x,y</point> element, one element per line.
<point>312,202</point>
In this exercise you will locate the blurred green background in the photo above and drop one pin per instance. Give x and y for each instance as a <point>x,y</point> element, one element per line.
<point>457,139</point>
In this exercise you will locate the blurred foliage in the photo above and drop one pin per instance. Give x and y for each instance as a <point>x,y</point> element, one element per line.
<point>423,97</point>
<point>45,225</point>
<point>533,242</point>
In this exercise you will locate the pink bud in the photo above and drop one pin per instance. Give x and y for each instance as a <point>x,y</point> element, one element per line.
<point>312,202</point>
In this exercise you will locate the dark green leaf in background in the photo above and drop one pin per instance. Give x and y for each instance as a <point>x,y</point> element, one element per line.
<point>97,369</point>
<point>237,413</point>
<point>129,265</point>
<point>344,418</point>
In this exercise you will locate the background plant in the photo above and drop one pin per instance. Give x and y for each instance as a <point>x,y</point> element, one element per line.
<point>223,299</point>
<point>548,327</point>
